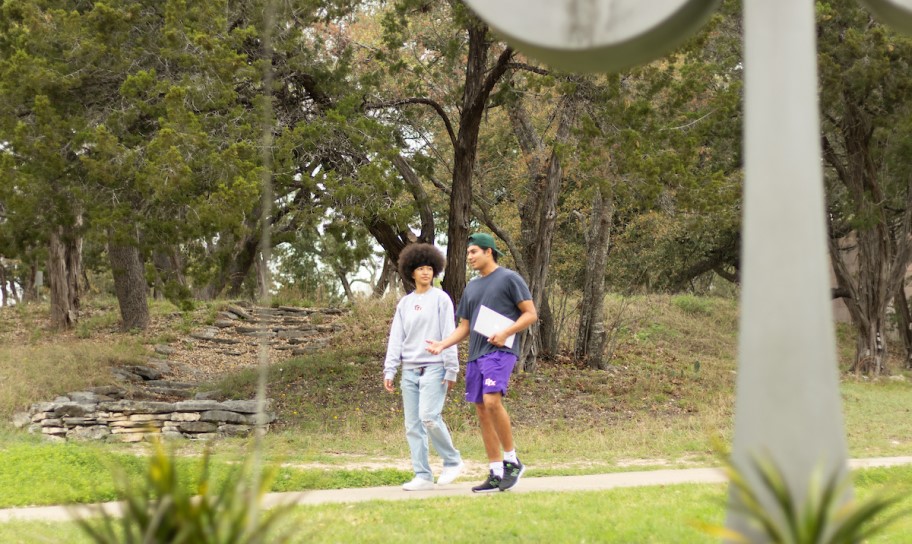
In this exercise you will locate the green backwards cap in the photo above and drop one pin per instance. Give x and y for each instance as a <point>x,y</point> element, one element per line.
<point>484,241</point>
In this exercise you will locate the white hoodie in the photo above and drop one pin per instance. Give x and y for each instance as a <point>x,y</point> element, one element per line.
<point>421,317</point>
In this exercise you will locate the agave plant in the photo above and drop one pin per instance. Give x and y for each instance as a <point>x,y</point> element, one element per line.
<point>825,516</point>
<point>162,510</point>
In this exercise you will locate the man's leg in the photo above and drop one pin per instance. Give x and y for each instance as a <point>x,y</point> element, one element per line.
<point>496,368</point>
<point>489,433</point>
<point>499,422</point>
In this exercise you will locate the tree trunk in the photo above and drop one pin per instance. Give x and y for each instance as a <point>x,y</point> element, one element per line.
<point>237,259</point>
<point>73,253</point>
<point>4,294</point>
<point>346,285</point>
<point>169,270</point>
<point>63,313</point>
<point>538,212</point>
<point>479,82</point>
<point>549,339</point>
<point>384,280</point>
<point>591,335</point>
<point>30,288</point>
<point>883,246</point>
<point>904,322</point>
<point>129,285</point>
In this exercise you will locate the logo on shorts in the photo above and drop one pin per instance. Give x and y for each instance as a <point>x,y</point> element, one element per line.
<point>490,383</point>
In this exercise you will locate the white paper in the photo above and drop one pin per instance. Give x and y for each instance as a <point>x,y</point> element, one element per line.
<point>490,323</point>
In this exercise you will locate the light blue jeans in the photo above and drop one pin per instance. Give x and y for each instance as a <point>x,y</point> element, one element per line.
<point>423,396</point>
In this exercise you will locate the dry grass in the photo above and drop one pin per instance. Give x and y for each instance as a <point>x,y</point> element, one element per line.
<point>42,372</point>
<point>38,363</point>
<point>668,391</point>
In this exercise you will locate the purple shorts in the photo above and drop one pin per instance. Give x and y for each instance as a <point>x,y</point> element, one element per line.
<point>488,374</point>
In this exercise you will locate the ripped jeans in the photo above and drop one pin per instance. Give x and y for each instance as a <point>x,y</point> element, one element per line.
<point>423,395</point>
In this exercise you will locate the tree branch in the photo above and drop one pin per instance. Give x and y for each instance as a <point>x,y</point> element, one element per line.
<point>497,71</point>
<point>830,155</point>
<point>528,68</point>
<point>417,100</point>
<point>421,198</point>
<point>482,212</point>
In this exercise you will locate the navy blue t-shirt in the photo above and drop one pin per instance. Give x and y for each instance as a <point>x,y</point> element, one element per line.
<point>501,291</point>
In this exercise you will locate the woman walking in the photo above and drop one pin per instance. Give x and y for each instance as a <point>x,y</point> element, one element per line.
<point>425,314</point>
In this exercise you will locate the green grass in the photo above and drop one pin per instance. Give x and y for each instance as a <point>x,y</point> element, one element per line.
<point>40,473</point>
<point>878,417</point>
<point>661,514</point>
<point>666,397</point>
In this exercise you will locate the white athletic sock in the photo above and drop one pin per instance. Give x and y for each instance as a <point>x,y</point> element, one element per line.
<point>511,456</point>
<point>497,469</point>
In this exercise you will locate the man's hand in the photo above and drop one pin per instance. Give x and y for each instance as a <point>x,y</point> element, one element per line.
<point>434,347</point>
<point>498,339</point>
<point>450,385</point>
<point>388,385</point>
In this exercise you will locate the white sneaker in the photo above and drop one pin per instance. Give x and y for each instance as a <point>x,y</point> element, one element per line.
<point>450,473</point>
<point>418,484</point>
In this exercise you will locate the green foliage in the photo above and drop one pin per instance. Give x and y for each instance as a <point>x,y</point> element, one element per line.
<point>180,295</point>
<point>866,108</point>
<point>693,305</point>
<point>825,517</point>
<point>161,509</point>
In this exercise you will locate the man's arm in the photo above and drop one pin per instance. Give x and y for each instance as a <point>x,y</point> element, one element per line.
<point>523,322</point>
<point>459,334</point>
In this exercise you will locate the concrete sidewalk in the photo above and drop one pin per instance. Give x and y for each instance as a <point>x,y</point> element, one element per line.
<point>590,482</point>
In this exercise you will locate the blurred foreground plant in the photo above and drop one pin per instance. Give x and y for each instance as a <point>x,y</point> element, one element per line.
<point>825,517</point>
<point>161,510</point>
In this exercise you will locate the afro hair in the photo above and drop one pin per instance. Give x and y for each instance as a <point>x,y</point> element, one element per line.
<point>418,255</point>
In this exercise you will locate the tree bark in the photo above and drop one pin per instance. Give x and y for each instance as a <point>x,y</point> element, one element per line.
<point>63,313</point>
<point>384,280</point>
<point>73,249</point>
<point>904,322</point>
<point>479,82</point>
<point>129,285</point>
<point>392,241</point>
<point>591,334</point>
<point>549,339</point>
<point>169,269</point>
<point>423,203</point>
<point>4,294</point>
<point>346,285</point>
<point>30,289</point>
<point>538,212</point>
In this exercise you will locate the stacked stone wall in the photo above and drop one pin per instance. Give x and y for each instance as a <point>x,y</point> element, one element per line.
<point>90,416</point>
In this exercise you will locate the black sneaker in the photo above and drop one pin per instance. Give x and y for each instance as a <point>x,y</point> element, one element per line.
<point>512,473</point>
<point>491,484</point>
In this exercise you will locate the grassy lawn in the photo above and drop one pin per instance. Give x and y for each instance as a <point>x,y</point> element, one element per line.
<point>664,514</point>
<point>666,397</point>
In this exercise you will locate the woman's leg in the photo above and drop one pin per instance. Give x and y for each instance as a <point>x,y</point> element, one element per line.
<point>415,432</point>
<point>431,400</point>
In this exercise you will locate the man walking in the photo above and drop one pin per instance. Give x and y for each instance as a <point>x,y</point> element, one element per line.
<point>492,354</point>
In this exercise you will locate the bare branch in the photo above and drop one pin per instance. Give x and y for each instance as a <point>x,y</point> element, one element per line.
<point>418,100</point>
<point>528,68</point>
<point>481,211</point>
<point>497,71</point>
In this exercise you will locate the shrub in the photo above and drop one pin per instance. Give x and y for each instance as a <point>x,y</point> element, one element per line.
<point>161,509</point>
<point>825,517</point>
<point>692,305</point>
